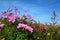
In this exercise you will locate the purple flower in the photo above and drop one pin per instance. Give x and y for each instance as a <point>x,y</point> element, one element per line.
<point>9,10</point>
<point>1,25</point>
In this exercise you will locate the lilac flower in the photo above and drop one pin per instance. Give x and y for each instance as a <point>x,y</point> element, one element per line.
<point>9,10</point>
<point>1,25</point>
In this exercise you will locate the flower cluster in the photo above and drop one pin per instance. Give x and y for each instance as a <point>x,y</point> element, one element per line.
<point>25,26</point>
<point>11,24</point>
<point>12,18</point>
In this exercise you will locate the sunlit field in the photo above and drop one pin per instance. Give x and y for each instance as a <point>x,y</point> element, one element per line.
<point>29,19</point>
<point>23,27</point>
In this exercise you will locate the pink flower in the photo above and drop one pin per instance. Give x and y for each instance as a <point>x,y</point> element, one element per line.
<point>29,28</point>
<point>1,25</point>
<point>15,16</point>
<point>44,27</point>
<point>22,18</point>
<point>11,19</point>
<point>4,14</point>
<point>25,26</point>
<point>29,16</point>
<point>20,26</point>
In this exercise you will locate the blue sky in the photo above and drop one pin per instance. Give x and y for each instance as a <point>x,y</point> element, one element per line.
<point>39,9</point>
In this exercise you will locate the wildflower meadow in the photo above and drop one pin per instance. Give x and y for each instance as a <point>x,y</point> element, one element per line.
<point>24,27</point>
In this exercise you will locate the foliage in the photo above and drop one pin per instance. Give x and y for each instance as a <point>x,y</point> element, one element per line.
<point>15,27</point>
<point>54,18</point>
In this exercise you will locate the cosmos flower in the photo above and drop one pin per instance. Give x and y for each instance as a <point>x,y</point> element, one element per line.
<point>29,28</point>
<point>20,26</point>
<point>15,16</point>
<point>25,26</point>
<point>11,19</point>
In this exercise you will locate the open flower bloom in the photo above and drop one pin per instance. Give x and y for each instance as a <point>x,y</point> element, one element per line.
<point>25,26</point>
<point>1,25</point>
<point>20,26</point>
<point>11,19</point>
<point>29,28</point>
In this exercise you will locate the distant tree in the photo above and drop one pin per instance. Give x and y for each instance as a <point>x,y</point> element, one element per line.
<point>54,18</point>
